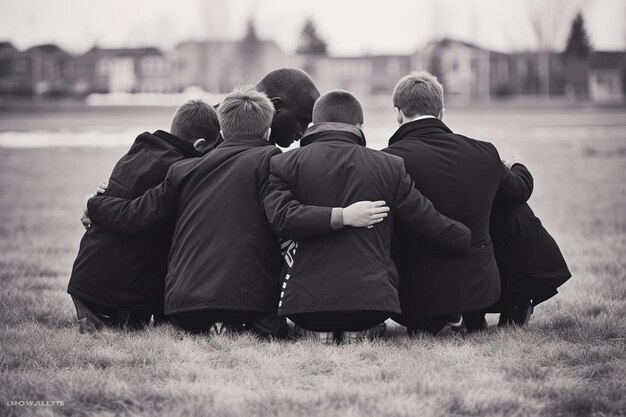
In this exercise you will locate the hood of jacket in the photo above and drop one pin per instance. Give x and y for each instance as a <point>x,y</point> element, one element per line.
<point>333,130</point>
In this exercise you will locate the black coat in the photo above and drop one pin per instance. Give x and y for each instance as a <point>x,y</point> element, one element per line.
<point>125,272</point>
<point>530,262</point>
<point>461,177</point>
<point>349,269</point>
<point>224,255</point>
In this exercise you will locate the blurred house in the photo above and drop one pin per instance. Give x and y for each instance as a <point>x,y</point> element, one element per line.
<point>607,73</point>
<point>202,64</point>
<point>468,72</point>
<point>126,70</point>
<point>463,68</point>
<point>471,73</point>
<point>49,68</point>
<point>15,71</point>
<point>528,74</point>
<point>40,70</point>
<point>219,65</point>
<point>43,69</point>
<point>366,75</point>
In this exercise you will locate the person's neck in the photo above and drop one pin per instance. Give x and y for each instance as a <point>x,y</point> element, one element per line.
<point>418,117</point>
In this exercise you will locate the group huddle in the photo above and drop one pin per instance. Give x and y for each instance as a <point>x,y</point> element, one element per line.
<point>213,228</point>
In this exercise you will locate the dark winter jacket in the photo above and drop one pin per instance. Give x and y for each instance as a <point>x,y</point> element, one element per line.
<point>224,255</point>
<point>348,269</point>
<point>461,176</point>
<point>127,272</point>
<point>530,262</point>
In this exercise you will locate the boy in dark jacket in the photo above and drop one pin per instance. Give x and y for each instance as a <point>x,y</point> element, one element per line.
<point>118,280</point>
<point>462,177</point>
<point>345,282</point>
<point>529,260</point>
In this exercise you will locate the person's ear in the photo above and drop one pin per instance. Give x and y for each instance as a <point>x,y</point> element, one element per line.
<point>199,144</point>
<point>278,103</point>
<point>399,115</point>
<point>267,134</point>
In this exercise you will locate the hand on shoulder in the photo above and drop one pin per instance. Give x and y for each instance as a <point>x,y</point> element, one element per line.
<point>365,213</point>
<point>84,219</point>
<point>514,159</point>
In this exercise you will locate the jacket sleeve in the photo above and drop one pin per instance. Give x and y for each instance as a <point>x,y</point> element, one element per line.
<point>418,214</point>
<point>289,218</point>
<point>264,180</point>
<point>516,185</point>
<point>129,217</point>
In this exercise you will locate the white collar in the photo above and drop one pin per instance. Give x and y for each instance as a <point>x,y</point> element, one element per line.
<point>428,116</point>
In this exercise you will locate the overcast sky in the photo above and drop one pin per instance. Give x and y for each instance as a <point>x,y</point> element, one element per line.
<point>350,27</point>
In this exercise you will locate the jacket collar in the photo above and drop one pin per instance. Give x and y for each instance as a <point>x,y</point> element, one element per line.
<point>184,146</point>
<point>333,131</point>
<point>244,140</point>
<point>419,127</point>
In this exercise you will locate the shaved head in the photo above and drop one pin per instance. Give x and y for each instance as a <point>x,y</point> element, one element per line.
<point>338,106</point>
<point>293,94</point>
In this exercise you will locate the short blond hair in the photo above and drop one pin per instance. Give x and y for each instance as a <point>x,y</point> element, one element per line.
<point>245,111</point>
<point>419,93</point>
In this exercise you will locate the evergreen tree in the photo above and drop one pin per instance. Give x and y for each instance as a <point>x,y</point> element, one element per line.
<point>578,43</point>
<point>250,42</point>
<point>245,69</point>
<point>310,42</point>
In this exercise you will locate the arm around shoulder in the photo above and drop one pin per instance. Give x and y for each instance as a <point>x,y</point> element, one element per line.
<point>516,184</point>
<point>289,218</point>
<point>123,216</point>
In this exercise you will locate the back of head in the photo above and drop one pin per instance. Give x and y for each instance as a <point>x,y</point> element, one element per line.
<point>196,120</point>
<point>419,94</point>
<point>338,106</point>
<point>294,86</point>
<point>245,111</point>
<point>293,93</point>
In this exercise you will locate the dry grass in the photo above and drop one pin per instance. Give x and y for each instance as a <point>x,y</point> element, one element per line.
<point>570,360</point>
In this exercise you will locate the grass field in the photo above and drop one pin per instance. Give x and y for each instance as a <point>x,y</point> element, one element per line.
<point>570,360</point>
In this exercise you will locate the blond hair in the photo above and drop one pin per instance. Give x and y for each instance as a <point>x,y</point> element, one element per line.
<point>419,93</point>
<point>245,111</point>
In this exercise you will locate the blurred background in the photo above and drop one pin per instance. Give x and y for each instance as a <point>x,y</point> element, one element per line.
<point>482,49</point>
<point>116,68</point>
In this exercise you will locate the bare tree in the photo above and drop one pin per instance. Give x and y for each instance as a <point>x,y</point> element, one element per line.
<point>549,21</point>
